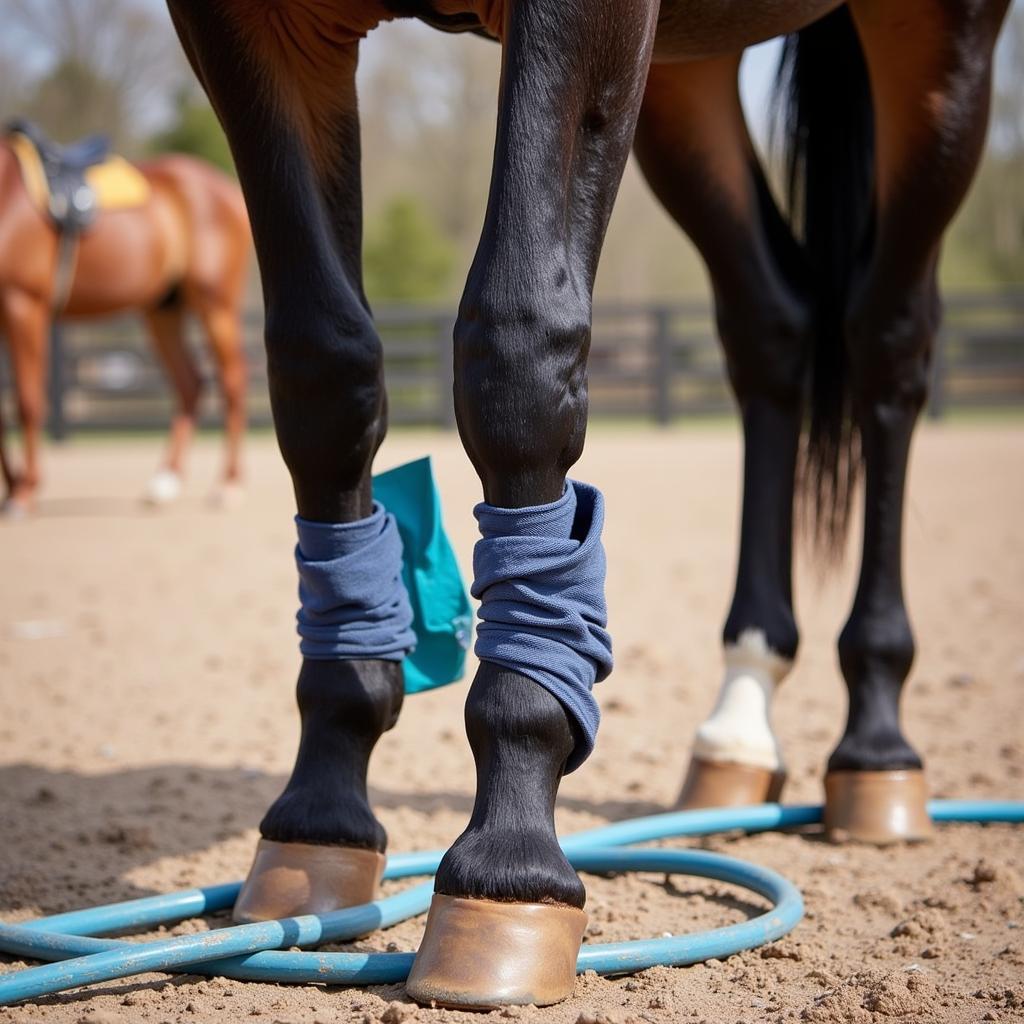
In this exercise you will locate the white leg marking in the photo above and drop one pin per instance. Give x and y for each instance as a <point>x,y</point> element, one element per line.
<point>739,729</point>
<point>164,487</point>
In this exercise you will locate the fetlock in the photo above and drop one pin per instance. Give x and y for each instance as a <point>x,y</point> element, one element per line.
<point>345,707</point>
<point>876,653</point>
<point>521,739</point>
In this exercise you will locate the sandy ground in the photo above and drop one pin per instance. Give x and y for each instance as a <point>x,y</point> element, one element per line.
<point>146,721</point>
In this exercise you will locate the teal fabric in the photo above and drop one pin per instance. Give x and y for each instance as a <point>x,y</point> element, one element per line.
<point>442,614</point>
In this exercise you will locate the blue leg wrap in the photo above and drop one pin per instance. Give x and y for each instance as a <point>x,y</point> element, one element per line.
<point>540,575</point>
<point>353,602</point>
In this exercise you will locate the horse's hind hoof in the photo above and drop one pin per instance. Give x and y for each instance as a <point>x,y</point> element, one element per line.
<point>877,807</point>
<point>728,784</point>
<point>289,879</point>
<point>481,954</point>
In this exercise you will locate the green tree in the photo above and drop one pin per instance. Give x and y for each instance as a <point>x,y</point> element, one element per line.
<point>406,256</point>
<point>90,66</point>
<point>986,244</point>
<point>74,99</point>
<point>196,130</point>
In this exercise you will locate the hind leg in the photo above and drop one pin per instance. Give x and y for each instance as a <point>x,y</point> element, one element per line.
<point>931,91</point>
<point>166,326</point>
<point>26,319</point>
<point>224,332</point>
<point>284,89</point>
<point>693,146</point>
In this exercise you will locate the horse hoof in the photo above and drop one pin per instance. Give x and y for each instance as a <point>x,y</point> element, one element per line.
<point>164,487</point>
<point>728,784</point>
<point>877,807</point>
<point>289,879</point>
<point>482,954</point>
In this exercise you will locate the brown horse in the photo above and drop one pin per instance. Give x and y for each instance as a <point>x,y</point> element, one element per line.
<point>184,249</point>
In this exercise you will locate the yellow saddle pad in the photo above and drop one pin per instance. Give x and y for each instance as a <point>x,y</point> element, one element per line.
<point>117,184</point>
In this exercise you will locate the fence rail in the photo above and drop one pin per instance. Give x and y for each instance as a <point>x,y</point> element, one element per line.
<point>656,362</point>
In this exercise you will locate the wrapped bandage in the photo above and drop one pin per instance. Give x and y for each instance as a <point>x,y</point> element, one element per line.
<point>353,604</point>
<point>539,576</point>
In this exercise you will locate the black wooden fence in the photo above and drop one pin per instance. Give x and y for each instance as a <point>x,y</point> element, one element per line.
<point>647,362</point>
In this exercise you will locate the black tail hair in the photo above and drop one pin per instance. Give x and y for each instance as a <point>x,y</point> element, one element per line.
<point>823,104</point>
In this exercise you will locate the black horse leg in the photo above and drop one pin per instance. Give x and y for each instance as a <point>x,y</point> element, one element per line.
<point>931,93</point>
<point>695,151</point>
<point>571,85</point>
<point>291,119</point>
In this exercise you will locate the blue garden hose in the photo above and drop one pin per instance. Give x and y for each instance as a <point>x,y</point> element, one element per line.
<point>253,952</point>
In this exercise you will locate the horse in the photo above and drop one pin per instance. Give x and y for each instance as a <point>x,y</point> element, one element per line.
<point>182,248</point>
<point>826,305</point>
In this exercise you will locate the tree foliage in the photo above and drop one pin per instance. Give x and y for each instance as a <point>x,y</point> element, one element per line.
<point>196,130</point>
<point>406,256</point>
<point>97,66</point>
<point>74,100</point>
<point>987,241</point>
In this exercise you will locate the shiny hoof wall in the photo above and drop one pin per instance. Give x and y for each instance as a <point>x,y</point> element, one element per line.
<point>728,784</point>
<point>877,807</point>
<point>481,954</point>
<point>289,879</point>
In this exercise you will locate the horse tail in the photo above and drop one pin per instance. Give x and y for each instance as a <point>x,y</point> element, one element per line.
<point>823,106</point>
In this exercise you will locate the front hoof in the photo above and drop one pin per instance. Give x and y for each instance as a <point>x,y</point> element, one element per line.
<point>877,807</point>
<point>289,879</point>
<point>481,954</point>
<point>728,784</point>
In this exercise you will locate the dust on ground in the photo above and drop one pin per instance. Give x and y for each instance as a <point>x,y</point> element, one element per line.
<point>147,662</point>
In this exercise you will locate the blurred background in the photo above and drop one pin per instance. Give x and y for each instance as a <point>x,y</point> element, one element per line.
<point>428,113</point>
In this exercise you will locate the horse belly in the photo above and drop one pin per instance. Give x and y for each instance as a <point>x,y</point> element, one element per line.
<point>123,263</point>
<point>697,29</point>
